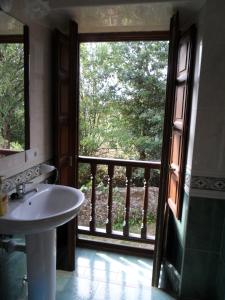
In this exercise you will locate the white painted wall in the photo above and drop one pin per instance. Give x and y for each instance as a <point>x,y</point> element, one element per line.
<point>197,73</point>
<point>209,142</point>
<point>40,91</point>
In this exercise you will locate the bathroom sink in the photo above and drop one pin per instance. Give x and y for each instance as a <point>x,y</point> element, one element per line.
<point>36,216</point>
<point>49,207</point>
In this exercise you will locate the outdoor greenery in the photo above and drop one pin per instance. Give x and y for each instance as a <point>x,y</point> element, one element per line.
<point>122,99</point>
<point>11,96</point>
<point>122,96</point>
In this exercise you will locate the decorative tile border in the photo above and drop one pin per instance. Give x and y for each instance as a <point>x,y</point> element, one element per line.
<point>204,182</point>
<point>208,183</point>
<point>10,183</point>
<point>204,186</point>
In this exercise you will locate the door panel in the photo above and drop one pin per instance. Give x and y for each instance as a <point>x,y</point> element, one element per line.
<point>179,106</point>
<point>64,54</point>
<point>64,69</point>
<point>176,146</point>
<point>176,121</point>
<point>172,189</point>
<point>64,175</point>
<point>180,124</point>
<point>64,142</point>
<point>182,57</point>
<point>64,94</point>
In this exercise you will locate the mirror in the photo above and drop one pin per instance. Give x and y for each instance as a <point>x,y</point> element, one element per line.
<point>14,86</point>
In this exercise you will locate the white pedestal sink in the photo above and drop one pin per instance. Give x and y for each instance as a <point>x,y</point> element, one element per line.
<point>37,215</point>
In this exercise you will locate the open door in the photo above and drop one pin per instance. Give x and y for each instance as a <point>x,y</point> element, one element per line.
<point>177,111</point>
<point>65,59</point>
<point>180,121</point>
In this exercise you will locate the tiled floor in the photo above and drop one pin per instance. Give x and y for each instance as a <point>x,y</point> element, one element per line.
<point>98,276</point>
<point>108,276</point>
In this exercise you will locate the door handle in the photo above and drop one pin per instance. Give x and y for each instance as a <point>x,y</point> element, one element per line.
<point>172,169</point>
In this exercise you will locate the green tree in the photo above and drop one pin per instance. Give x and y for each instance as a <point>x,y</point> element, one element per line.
<point>95,95</point>
<point>141,89</point>
<point>122,97</point>
<point>11,96</point>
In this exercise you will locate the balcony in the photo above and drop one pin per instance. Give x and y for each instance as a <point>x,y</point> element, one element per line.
<point>121,203</point>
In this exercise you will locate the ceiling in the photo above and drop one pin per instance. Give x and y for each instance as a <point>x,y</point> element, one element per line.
<point>106,15</point>
<point>9,25</point>
<point>124,17</point>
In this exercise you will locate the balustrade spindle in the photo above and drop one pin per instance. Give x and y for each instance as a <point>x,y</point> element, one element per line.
<point>109,233</point>
<point>145,204</point>
<point>93,197</point>
<point>127,204</point>
<point>110,196</point>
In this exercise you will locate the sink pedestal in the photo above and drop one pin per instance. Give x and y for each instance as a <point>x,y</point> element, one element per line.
<point>41,265</point>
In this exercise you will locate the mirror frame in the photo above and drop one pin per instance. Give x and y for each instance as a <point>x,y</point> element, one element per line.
<point>26,43</point>
<point>23,38</point>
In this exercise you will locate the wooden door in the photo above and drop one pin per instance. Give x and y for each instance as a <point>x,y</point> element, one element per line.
<point>162,204</point>
<point>180,121</point>
<point>177,111</point>
<point>65,111</point>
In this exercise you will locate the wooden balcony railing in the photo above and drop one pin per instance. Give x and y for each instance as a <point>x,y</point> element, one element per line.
<point>129,165</point>
<point>6,152</point>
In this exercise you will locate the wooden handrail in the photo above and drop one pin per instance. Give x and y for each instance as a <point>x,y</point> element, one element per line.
<point>120,162</point>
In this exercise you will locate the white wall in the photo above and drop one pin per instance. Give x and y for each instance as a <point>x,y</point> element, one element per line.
<point>40,91</point>
<point>209,145</point>
<point>197,71</point>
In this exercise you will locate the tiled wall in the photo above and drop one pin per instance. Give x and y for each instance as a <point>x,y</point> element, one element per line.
<point>176,236</point>
<point>202,268</point>
<point>197,249</point>
<point>220,288</point>
<point>34,175</point>
<point>10,183</point>
<point>202,248</point>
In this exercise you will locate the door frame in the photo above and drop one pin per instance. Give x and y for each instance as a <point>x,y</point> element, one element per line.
<point>117,37</point>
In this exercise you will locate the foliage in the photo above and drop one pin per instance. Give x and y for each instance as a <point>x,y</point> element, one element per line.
<point>122,94</point>
<point>11,96</point>
<point>135,219</point>
<point>122,97</point>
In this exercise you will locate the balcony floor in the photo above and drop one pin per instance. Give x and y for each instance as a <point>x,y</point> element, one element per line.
<point>99,276</point>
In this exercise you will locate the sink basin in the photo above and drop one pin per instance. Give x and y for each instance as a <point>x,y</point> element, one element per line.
<point>37,215</point>
<point>51,206</point>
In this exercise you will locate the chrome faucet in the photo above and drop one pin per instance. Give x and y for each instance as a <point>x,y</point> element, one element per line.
<point>21,190</point>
